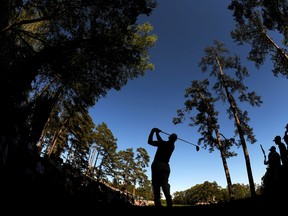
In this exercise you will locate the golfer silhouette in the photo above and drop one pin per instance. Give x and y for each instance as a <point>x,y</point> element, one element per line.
<point>160,168</point>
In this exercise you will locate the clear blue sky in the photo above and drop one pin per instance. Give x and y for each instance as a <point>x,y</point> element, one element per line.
<point>184,29</point>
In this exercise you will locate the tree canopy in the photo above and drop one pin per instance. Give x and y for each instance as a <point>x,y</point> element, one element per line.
<point>66,55</point>
<point>57,59</point>
<point>263,25</point>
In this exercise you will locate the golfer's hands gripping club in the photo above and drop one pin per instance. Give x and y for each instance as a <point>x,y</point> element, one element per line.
<point>156,130</point>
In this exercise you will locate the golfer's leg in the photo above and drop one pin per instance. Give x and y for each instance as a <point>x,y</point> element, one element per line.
<point>156,185</point>
<point>166,187</point>
<point>156,192</point>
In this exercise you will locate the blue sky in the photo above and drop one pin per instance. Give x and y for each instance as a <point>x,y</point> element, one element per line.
<point>184,28</point>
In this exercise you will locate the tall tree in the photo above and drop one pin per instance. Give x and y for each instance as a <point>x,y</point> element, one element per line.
<point>263,25</point>
<point>228,88</point>
<point>201,100</point>
<point>132,168</point>
<point>140,178</point>
<point>80,49</point>
<point>103,159</point>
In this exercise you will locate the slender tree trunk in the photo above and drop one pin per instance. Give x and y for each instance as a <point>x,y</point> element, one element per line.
<point>233,106</point>
<point>225,165</point>
<point>243,143</point>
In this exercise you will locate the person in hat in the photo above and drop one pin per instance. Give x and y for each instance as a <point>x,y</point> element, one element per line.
<point>285,137</point>
<point>160,168</point>
<point>272,175</point>
<point>282,151</point>
<point>274,160</point>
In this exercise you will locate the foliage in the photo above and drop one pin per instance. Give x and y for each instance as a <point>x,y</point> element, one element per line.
<point>59,58</point>
<point>228,74</point>
<point>210,192</point>
<point>263,25</point>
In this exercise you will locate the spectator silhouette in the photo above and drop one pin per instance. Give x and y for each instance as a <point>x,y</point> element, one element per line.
<point>272,175</point>
<point>285,170</point>
<point>160,166</point>
<point>285,137</point>
<point>282,151</point>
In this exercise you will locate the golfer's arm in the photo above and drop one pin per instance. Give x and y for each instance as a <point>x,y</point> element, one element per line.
<point>150,138</point>
<point>159,138</point>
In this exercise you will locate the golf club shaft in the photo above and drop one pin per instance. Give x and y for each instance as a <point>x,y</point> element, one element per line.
<point>181,139</point>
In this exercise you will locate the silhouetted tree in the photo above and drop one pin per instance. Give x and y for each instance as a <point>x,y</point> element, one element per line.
<point>206,193</point>
<point>210,192</point>
<point>140,178</point>
<point>263,25</point>
<point>103,159</point>
<point>65,55</point>
<point>200,100</point>
<point>227,89</point>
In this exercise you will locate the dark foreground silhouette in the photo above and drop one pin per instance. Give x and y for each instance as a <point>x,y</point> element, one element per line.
<point>243,207</point>
<point>256,205</point>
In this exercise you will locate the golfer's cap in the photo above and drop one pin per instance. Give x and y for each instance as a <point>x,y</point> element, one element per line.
<point>277,138</point>
<point>272,148</point>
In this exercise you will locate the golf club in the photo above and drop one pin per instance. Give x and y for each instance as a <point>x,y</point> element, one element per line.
<point>197,147</point>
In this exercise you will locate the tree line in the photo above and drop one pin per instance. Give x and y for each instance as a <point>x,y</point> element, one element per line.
<point>57,60</point>
<point>211,193</point>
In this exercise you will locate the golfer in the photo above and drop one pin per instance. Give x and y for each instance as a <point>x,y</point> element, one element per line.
<point>160,166</point>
